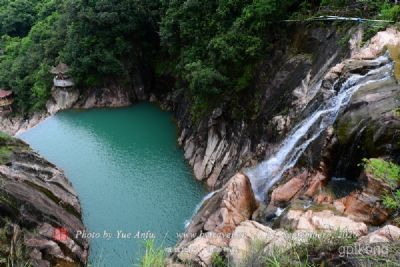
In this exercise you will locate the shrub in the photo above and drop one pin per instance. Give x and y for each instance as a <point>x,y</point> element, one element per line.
<point>390,12</point>
<point>392,201</point>
<point>218,260</point>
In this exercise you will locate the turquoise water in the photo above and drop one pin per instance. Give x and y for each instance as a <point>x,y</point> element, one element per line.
<point>129,172</point>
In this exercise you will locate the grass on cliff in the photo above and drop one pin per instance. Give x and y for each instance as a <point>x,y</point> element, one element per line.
<point>336,248</point>
<point>383,170</point>
<point>154,256</point>
<point>313,252</point>
<point>6,143</point>
<point>388,172</point>
<point>12,250</point>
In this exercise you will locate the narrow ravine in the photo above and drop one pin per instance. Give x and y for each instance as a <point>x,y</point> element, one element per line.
<point>130,174</point>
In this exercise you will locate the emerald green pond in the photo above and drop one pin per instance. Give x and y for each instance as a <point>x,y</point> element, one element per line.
<point>129,172</point>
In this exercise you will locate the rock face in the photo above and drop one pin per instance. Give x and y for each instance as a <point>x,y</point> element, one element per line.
<point>18,124</point>
<point>216,148</point>
<point>62,99</point>
<point>220,146</point>
<point>211,228</point>
<point>105,97</point>
<point>40,209</point>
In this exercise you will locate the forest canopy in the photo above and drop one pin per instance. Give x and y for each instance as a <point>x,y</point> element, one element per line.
<point>209,47</point>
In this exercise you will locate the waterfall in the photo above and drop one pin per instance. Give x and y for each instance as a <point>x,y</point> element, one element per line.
<point>198,207</point>
<point>270,171</point>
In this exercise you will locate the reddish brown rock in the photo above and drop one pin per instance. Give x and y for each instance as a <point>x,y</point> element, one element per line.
<point>323,198</point>
<point>225,209</point>
<point>372,185</point>
<point>315,184</point>
<point>306,183</point>
<point>237,205</point>
<point>286,192</point>
<point>364,207</point>
<point>209,231</point>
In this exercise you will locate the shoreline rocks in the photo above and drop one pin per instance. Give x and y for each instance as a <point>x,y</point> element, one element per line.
<point>41,206</point>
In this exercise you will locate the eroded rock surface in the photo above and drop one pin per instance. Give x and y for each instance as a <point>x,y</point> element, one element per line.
<point>211,228</point>
<point>39,209</point>
<point>322,221</point>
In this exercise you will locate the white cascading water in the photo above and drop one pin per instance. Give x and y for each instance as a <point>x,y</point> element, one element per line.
<point>196,210</point>
<point>270,171</point>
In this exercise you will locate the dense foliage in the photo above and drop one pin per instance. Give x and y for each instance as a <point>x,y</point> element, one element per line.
<point>209,47</point>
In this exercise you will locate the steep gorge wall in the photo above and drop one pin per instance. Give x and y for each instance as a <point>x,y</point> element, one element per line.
<point>285,82</point>
<point>368,126</point>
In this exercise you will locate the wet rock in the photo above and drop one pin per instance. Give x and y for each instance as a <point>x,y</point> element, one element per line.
<point>281,123</point>
<point>368,125</point>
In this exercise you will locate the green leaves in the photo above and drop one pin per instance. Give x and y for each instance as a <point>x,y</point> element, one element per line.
<point>215,45</point>
<point>383,170</point>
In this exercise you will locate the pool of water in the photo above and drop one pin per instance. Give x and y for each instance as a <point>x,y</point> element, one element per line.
<point>129,172</point>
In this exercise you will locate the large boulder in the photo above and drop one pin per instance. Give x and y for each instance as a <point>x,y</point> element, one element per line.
<point>212,226</point>
<point>363,207</point>
<point>227,208</point>
<point>250,232</point>
<point>388,233</point>
<point>325,220</point>
<point>286,192</point>
<point>308,184</point>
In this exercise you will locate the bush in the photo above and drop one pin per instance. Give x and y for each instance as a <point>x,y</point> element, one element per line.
<point>390,12</point>
<point>218,260</point>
